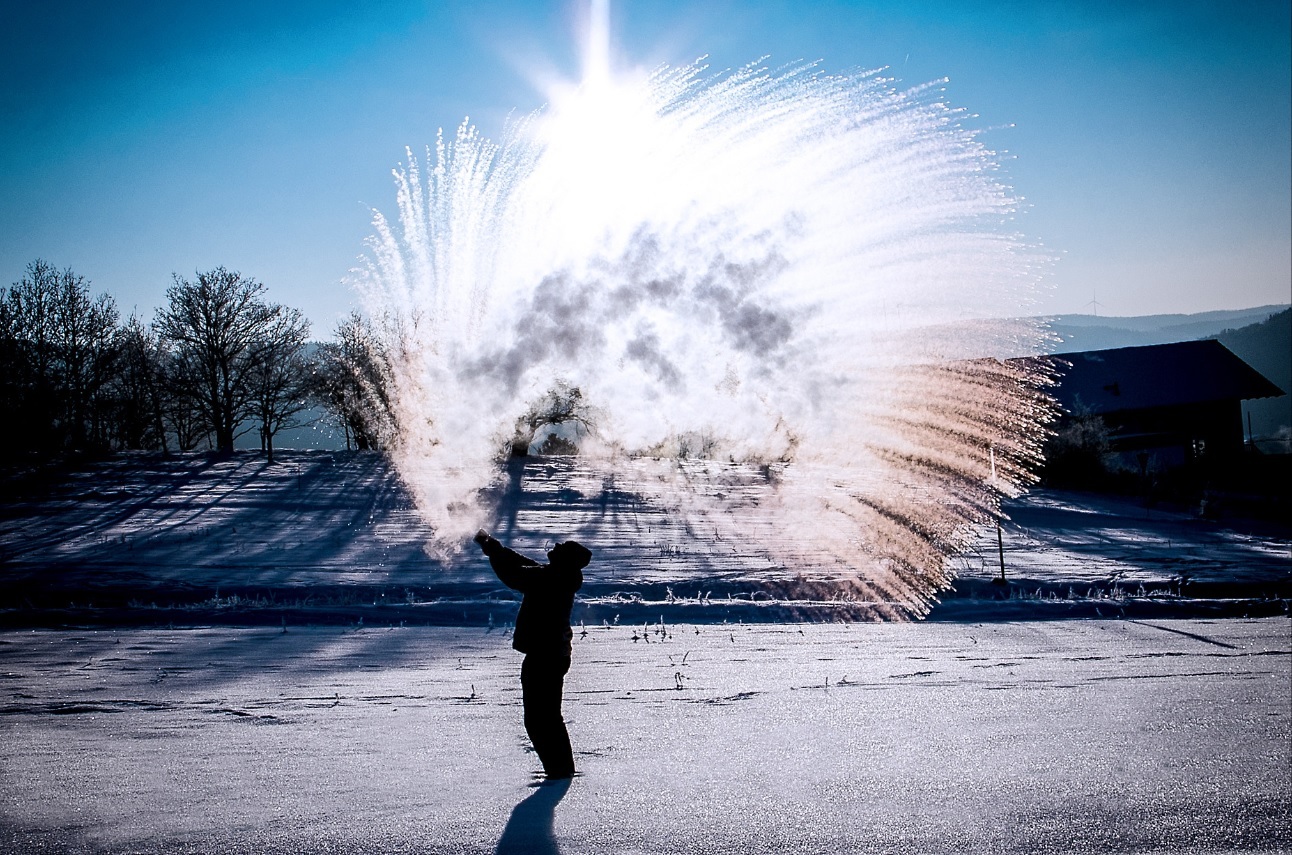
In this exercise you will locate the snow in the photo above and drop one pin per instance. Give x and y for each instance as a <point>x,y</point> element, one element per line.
<point>703,721</point>
<point>336,518</point>
<point>1088,538</point>
<point>338,528</point>
<point>1068,736</point>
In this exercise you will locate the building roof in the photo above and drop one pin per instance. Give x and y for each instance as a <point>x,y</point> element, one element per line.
<point>1159,375</point>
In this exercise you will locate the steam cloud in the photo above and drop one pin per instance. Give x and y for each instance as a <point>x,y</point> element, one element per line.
<point>799,278</point>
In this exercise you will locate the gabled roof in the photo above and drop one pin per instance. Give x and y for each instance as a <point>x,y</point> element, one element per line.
<point>1159,375</point>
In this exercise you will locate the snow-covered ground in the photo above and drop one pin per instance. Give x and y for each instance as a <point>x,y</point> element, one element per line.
<point>333,536</point>
<point>703,720</point>
<point>1094,539</point>
<point>1042,737</point>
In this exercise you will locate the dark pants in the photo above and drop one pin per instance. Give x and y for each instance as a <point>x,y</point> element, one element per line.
<point>541,678</point>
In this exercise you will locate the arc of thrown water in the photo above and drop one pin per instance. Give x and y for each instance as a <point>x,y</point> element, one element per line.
<point>812,269</point>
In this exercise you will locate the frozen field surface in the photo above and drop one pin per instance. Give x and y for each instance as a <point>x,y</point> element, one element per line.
<point>331,536</point>
<point>1035,737</point>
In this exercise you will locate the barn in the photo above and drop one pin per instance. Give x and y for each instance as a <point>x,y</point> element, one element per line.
<point>1163,405</point>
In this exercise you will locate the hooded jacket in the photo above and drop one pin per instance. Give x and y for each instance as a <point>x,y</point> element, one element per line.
<point>543,623</point>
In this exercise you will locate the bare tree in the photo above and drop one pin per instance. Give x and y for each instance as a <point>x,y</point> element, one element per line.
<point>14,365</point>
<point>30,370</point>
<point>563,404</point>
<point>140,388</point>
<point>88,348</point>
<point>60,351</point>
<point>281,378</point>
<point>352,382</point>
<point>182,408</point>
<point>218,326</point>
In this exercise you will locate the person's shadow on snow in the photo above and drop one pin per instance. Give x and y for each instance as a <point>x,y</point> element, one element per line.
<point>529,828</point>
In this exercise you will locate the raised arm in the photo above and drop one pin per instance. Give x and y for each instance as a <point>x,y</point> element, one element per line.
<point>507,563</point>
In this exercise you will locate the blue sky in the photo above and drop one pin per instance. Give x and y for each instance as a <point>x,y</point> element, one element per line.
<point>1151,140</point>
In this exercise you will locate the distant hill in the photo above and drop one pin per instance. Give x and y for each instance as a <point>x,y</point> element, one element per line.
<point>1095,332</point>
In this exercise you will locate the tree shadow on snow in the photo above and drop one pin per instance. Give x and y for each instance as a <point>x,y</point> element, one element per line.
<point>530,827</point>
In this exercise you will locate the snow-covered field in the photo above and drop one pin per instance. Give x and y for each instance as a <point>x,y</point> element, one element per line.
<point>1107,540</point>
<point>332,537</point>
<point>1041,737</point>
<point>380,711</point>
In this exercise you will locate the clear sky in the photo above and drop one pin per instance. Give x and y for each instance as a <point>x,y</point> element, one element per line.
<point>1150,139</point>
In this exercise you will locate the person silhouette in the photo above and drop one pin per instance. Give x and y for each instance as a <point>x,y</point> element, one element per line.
<point>543,634</point>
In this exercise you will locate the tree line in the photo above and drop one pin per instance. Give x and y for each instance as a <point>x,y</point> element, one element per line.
<point>219,360</point>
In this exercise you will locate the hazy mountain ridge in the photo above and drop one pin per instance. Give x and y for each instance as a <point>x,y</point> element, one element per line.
<point>1097,332</point>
